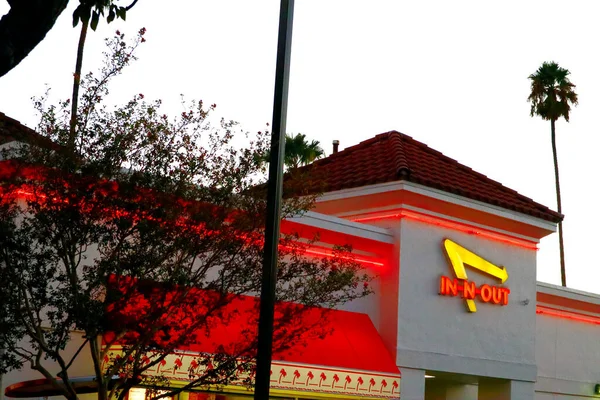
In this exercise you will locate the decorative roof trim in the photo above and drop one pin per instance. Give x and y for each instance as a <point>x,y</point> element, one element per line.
<point>440,195</point>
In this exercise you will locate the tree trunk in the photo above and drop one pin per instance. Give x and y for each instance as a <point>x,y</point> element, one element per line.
<point>76,84</point>
<point>95,350</point>
<point>563,273</point>
<point>24,27</point>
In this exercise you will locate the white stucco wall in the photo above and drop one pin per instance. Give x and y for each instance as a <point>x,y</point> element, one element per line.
<point>370,304</point>
<point>568,358</point>
<point>438,333</point>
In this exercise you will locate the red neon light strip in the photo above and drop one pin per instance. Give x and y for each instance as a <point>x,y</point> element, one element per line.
<point>326,254</point>
<point>457,226</point>
<point>26,193</point>
<point>552,312</point>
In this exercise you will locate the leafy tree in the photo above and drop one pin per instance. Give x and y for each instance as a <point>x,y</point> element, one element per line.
<point>147,234</point>
<point>552,95</point>
<point>28,21</point>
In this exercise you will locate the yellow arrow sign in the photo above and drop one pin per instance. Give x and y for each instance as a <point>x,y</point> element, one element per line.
<point>459,257</point>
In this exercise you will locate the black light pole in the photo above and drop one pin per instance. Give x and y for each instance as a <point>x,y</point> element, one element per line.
<point>267,293</point>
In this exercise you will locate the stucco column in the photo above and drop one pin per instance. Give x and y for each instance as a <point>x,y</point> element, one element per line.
<point>412,384</point>
<point>462,392</point>
<point>506,390</point>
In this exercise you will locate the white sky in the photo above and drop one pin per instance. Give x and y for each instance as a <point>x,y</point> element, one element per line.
<point>450,74</point>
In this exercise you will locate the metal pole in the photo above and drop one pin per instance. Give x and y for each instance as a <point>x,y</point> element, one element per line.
<point>267,294</point>
<point>1,386</point>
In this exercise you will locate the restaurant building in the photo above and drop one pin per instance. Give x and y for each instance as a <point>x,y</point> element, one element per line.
<point>456,311</point>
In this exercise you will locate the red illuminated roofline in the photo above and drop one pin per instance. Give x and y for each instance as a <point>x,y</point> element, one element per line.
<point>324,252</point>
<point>457,226</point>
<point>309,250</point>
<point>329,254</point>
<point>570,315</point>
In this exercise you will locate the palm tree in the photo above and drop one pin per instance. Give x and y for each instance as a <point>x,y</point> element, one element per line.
<point>552,94</point>
<point>89,12</point>
<point>298,151</point>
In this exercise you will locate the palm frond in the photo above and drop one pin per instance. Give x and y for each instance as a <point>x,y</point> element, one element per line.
<point>298,151</point>
<point>552,93</point>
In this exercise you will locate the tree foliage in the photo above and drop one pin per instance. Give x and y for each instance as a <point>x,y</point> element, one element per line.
<point>92,10</point>
<point>552,93</point>
<point>146,235</point>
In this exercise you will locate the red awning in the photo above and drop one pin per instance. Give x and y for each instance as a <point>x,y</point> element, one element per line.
<point>354,343</point>
<point>340,339</point>
<point>351,360</point>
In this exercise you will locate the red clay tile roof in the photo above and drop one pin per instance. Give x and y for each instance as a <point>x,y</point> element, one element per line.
<point>12,130</point>
<point>388,157</point>
<point>394,156</point>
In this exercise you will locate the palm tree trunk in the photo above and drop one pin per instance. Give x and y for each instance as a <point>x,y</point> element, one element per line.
<point>563,273</point>
<point>76,82</point>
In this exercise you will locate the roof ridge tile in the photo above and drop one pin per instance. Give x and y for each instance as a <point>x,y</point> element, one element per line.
<point>398,153</point>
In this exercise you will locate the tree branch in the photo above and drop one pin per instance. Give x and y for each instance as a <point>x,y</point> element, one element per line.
<point>129,7</point>
<point>77,353</point>
<point>36,365</point>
